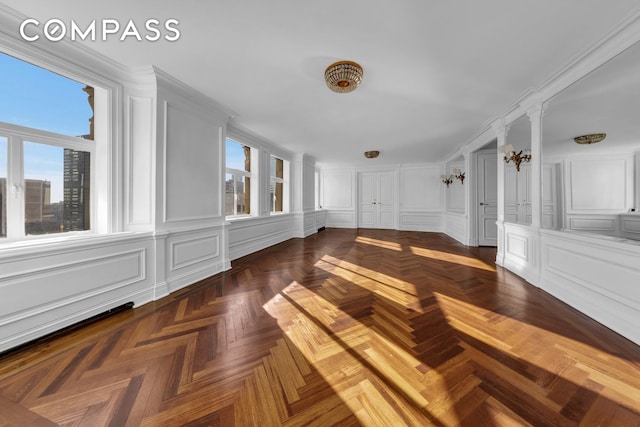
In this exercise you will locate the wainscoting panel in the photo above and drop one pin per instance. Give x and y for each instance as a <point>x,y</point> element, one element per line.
<point>253,234</point>
<point>599,224</point>
<point>341,219</point>
<point>630,226</point>
<point>456,226</point>
<point>520,251</point>
<point>193,255</point>
<point>421,221</point>
<point>518,246</point>
<point>307,223</point>
<point>597,276</point>
<point>53,286</point>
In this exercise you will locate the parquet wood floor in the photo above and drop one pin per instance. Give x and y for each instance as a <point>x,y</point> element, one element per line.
<point>346,327</point>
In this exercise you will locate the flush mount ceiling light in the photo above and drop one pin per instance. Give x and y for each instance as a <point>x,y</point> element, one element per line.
<point>343,76</point>
<point>591,138</point>
<point>371,154</point>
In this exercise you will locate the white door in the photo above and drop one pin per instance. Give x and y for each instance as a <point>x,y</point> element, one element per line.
<point>488,199</point>
<point>517,203</point>
<point>376,200</point>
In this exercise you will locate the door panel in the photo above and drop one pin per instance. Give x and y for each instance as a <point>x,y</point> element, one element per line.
<point>377,200</point>
<point>366,216</point>
<point>488,199</point>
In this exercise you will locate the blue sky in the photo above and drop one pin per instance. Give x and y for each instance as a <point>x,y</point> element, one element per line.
<point>33,97</point>
<point>235,155</point>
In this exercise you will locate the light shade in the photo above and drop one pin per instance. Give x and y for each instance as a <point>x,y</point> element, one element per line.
<point>371,154</point>
<point>343,76</point>
<point>591,138</point>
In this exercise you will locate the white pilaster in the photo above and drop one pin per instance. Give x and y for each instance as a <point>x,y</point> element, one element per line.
<point>501,129</point>
<point>535,116</point>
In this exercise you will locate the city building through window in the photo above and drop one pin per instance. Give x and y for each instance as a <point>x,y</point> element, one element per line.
<point>277,184</point>
<point>46,151</point>
<point>238,179</point>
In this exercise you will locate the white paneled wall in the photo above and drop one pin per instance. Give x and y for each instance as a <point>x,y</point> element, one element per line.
<point>419,206</point>
<point>421,198</point>
<point>338,195</point>
<point>47,287</point>
<point>597,276</point>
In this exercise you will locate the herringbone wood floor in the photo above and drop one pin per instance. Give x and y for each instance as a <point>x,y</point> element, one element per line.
<point>346,327</point>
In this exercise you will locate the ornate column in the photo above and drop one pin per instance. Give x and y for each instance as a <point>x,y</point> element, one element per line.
<point>535,116</point>
<point>501,129</point>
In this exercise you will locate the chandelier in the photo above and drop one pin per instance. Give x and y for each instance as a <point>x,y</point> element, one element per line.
<point>592,138</point>
<point>343,76</point>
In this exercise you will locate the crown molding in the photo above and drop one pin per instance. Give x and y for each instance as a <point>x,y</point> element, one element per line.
<point>243,134</point>
<point>192,94</point>
<point>616,41</point>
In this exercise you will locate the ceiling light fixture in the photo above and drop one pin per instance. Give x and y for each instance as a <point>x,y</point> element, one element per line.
<point>591,138</point>
<point>371,154</point>
<point>343,76</point>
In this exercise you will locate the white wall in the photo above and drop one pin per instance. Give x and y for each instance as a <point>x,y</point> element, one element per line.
<point>338,195</point>
<point>161,199</point>
<point>598,275</point>
<point>597,190</point>
<point>420,203</point>
<point>456,218</point>
<point>421,198</point>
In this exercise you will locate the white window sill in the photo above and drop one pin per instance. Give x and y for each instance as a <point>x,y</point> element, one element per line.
<point>43,243</point>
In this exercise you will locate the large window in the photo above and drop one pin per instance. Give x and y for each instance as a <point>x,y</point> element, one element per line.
<point>46,152</point>
<point>238,179</point>
<point>278,185</point>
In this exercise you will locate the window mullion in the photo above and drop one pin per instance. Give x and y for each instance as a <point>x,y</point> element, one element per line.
<point>15,188</point>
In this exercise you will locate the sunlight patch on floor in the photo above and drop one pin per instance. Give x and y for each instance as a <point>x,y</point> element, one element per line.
<point>389,287</point>
<point>453,258</point>
<point>379,243</point>
<point>358,349</point>
<point>526,347</point>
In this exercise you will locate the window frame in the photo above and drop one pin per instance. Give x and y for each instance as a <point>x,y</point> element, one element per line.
<point>16,136</point>
<point>273,180</point>
<point>252,175</point>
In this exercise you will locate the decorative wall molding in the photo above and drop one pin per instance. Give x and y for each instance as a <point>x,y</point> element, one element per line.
<point>139,157</point>
<point>455,225</point>
<point>341,218</point>
<point>250,235</point>
<point>60,284</point>
<point>421,221</point>
<point>596,275</point>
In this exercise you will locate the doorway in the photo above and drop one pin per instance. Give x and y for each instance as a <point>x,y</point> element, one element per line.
<point>487,197</point>
<point>376,200</point>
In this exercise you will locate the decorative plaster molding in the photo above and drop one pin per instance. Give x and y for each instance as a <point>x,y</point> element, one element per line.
<point>536,111</point>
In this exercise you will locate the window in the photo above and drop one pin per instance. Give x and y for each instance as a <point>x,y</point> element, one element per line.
<point>277,187</point>
<point>46,152</point>
<point>238,179</point>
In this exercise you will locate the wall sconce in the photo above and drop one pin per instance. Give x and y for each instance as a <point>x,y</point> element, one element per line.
<point>458,174</point>
<point>512,156</point>
<point>446,180</point>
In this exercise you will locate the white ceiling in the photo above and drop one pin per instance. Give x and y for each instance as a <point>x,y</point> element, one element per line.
<point>436,72</point>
